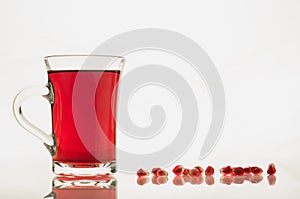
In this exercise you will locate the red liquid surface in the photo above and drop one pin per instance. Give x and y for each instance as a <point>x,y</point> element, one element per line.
<point>78,193</point>
<point>83,115</point>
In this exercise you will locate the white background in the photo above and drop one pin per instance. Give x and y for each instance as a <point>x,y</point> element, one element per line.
<point>255,46</point>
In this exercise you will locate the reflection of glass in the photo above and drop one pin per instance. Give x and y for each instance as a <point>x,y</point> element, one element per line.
<point>83,188</point>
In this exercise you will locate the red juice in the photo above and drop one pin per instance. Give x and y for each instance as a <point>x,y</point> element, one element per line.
<point>83,115</point>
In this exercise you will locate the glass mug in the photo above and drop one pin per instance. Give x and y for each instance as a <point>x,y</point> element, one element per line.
<point>82,91</point>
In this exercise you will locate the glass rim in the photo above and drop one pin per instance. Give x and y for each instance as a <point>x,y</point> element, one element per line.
<point>48,58</point>
<point>82,55</point>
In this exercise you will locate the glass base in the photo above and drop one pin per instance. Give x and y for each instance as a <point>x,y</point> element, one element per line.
<point>83,169</point>
<point>84,182</point>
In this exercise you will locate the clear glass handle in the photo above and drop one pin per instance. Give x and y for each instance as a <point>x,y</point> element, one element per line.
<point>44,91</point>
<point>52,195</point>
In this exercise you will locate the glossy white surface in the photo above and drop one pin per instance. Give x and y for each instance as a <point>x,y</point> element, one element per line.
<point>32,178</point>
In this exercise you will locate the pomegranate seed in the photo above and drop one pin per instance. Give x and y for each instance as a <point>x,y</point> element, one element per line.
<point>162,179</point>
<point>186,171</point>
<point>142,172</point>
<point>162,173</point>
<point>256,179</point>
<point>178,170</point>
<point>271,169</point>
<point>226,180</point>
<point>239,171</point>
<point>256,170</point>
<point>194,172</point>
<point>209,171</point>
<point>178,181</point>
<point>200,169</point>
<point>209,180</point>
<point>271,180</point>
<point>226,170</point>
<point>142,180</point>
<point>155,170</point>
<point>247,170</point>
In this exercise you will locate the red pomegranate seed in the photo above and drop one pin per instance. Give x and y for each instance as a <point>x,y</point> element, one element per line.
<point>162,173</point>
<point>239,171</point>
<point>162,179</point>
<point>200,169</point>
<point>226,170</point>
<point>209,180</point>
<point>142,172</point>
<point>142,180</point>
<point>194,172</point>
<point>178,170</point>
<point>247,170</point>
<point>178,181</point>
<point>271,169</point>
<point>256,170</point>
<point>186,172</point>
<point>209,171</point>
<point>155,170</point>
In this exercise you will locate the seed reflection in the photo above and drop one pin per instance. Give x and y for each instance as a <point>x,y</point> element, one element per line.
<point>209,180</point>
<point>143,180</point>
<point>228,180</point>
<point>271,180</point>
